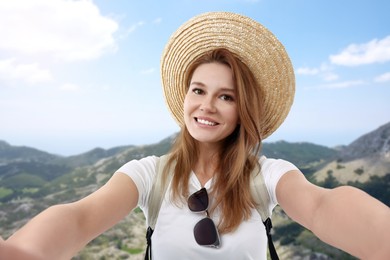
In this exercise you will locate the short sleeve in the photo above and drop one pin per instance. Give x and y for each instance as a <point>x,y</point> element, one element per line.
<point>273,170</point>
<point>142,173</point>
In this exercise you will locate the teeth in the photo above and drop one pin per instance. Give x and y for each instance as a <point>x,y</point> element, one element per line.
<point>205,122</point>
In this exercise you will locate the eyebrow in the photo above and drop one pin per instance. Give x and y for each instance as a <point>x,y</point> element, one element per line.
<point>197,83</point>
<point>204,85</point>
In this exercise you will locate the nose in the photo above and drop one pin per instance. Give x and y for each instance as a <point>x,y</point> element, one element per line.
<point>208,105</point>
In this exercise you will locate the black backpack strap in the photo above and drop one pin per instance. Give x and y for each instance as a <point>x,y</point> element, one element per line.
<point>271,247</point>
<point>156,197</point>
<point>148,253</point>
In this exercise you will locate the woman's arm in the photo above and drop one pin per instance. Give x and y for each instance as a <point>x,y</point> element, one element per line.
<point>344,217</point>
<point>61,231</point>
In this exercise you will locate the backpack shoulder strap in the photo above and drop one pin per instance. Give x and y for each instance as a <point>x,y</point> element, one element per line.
<point>262,200</point>
<point>260,194</point>
<point>155,199</point>
<point>258,191</point>
<point>157,192</point>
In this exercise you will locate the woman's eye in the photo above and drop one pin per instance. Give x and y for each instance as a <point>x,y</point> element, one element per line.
<point>227,98</point>
<point>197,91</point>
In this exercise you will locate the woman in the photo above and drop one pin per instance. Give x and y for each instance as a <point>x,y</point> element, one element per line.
<point>229,84</point>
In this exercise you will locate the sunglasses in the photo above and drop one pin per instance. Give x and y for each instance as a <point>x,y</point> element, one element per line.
<point>205,231</point>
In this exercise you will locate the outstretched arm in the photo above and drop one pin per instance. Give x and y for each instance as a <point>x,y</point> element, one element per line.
<point>61,231</point>
<point>344,217</point>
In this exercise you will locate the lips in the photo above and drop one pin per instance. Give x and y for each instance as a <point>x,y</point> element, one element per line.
<point>205,122</point>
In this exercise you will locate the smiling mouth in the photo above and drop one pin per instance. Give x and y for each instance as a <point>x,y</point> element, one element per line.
<point>205,122</point>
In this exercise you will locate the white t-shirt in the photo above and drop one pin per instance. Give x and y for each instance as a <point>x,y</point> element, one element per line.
<point>173,237</point>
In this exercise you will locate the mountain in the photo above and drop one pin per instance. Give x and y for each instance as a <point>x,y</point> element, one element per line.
<point>91,157</point>
<point>32,180</point>
<point>364,158</point>
<point>373,144</point>
<point>307,157</point>
<point>10,153</point>
<point>24,167</point>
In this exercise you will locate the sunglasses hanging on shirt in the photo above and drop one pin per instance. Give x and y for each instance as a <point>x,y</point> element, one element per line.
<point>205,231</point>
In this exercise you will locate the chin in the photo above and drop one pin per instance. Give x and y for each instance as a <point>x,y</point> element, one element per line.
<point>202,139</point>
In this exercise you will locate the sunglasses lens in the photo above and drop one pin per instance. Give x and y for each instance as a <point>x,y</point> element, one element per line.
<point>206,233</point>
<point>199,201</point>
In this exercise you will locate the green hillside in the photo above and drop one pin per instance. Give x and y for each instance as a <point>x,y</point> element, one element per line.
<point>32,180</point>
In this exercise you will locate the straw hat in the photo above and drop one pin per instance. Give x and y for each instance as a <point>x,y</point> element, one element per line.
<point>256,46</point>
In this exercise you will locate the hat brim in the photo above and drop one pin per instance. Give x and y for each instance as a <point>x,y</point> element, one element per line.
<point>256,46</point>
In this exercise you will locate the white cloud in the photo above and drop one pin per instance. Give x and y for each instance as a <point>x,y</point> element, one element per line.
<point>131,29</point>
<point>383,78</point>
<point>344,84</point>
<point>135,26</point>
<point>307,71</point>
<point>324,72</point>
<point>65,29</point>
<point>31,72</point>
<point>375,51</point>
<point>70,87</point>
<point>330,76</point>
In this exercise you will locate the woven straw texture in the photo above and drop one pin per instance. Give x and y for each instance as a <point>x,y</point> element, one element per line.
<point>258,48</point>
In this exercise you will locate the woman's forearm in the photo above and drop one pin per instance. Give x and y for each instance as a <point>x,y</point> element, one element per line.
<point>352,220</point>
<point>53,234</point>
<point>61,231</point>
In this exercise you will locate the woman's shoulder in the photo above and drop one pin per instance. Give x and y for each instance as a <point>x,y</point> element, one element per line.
<point>272,164</point>
<point>142,171</point>
<point>145,163</point>
<point>272,170</point>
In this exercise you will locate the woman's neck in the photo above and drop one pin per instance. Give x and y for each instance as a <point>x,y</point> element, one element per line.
<point>207,163</point>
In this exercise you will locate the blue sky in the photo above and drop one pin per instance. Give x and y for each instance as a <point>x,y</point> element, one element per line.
<point>75,75</point>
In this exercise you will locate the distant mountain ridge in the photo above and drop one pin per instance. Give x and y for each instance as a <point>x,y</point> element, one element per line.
<point>300,153</point>
<point>374,146</point>
<point>9,153</point>
<point>367,156</point>
<point>31,180</point>
<point>375,143</point>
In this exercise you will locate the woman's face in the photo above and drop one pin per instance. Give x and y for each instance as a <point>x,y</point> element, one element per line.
<point>210,108</point>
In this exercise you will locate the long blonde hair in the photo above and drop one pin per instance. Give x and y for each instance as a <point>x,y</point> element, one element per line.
<point>238,156</point>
